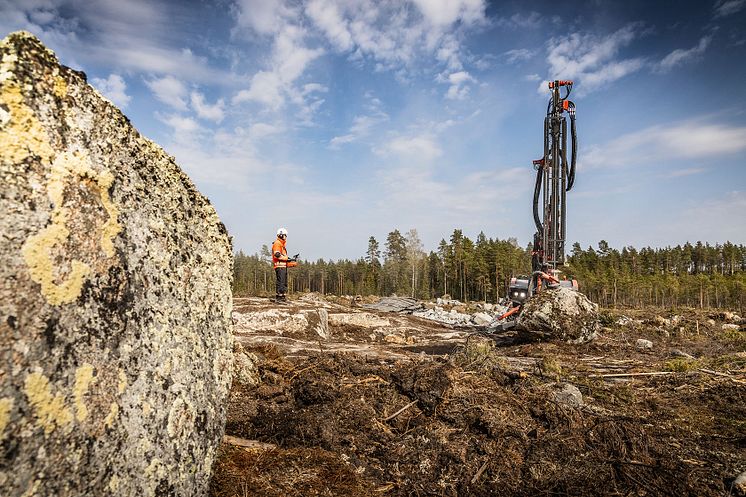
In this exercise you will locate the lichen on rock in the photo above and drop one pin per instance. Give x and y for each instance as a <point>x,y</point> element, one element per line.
<point>115,326</point>
<point>562,314</point>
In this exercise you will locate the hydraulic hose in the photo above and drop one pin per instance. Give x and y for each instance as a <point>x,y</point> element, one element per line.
<point>574,154</point>
<point>537,190</point>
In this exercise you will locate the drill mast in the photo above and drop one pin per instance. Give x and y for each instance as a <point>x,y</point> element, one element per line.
<point>555,176</point>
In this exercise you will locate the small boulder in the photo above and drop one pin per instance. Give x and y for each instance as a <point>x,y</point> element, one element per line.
<point>731,327</point>
<point>481,319</point>
<point>679,353</point>
<point>738,488</point>
<point>643,344</point>
<point>568,394</point>
<point>561,313</point>
<point>245,369</point>
<point>661,321</point>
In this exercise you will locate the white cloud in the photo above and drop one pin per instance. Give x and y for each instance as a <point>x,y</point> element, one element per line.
<point>422,149</point>
<point>114,88</point>
<point>290,57</point>
<point>725,8</point>
<point>262,130</point>
<point>170,91</point>
<point>327,16</point>
<point>180,125</point>
<point>521,20</point>
<point>681,56</point>
<point>361,127</point>
<point>458,81</point>
<point>136,35</point>
<point>391,34</point>
<point>262,16</point>
<point>265,88</point>
<point>204,110</point>
<point>678,173</point>
<point>447,12</point>
<point>590,59</point>
<point>688,140</point>
<point>519,55</point>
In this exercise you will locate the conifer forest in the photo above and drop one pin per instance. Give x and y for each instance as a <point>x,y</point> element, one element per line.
<point>694,275</point>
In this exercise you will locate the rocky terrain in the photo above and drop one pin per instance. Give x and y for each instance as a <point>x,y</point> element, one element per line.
<point>332,398</point>
<point>115,297</point>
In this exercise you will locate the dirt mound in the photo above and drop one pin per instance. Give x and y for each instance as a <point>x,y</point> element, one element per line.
<point>463,426</point>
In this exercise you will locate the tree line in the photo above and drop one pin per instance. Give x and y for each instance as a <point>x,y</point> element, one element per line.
<point>700,274</point>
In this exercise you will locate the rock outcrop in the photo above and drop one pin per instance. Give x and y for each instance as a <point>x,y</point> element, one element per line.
<point>560,313</point>
<point>115,297</point>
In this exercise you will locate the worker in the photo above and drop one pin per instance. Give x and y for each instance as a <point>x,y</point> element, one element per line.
<point>281,263</point>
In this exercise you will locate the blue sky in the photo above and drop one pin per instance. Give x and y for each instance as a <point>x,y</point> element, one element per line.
<point>342,119</point>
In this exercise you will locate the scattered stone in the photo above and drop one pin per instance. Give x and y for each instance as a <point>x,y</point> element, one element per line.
<point>661,321</point>
<point>561,313</point>
<point>440,315</point>
<point>739,485</point>
<point>711,322</point>
<point>359,319</point>
<point>482,319</point>
<point>115,297</point>
<point>245,369</point>
<point>729,326</point>
<point>395,304</point>
<point>624,321</point>
<point>322,329</point>
<point>641,343</point>
<point>397,339</point>
<point>446,300</point>
<point>568,394</point>
<point>679,353</point>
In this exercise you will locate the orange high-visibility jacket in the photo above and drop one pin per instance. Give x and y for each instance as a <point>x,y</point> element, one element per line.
<point>280,255</point>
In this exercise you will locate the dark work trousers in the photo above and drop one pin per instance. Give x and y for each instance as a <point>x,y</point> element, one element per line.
<point>282,280</point>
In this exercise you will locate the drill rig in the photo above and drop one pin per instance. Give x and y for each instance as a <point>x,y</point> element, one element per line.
<point>555,176</point>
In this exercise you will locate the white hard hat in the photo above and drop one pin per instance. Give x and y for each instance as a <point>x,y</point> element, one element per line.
<point>282,231</point>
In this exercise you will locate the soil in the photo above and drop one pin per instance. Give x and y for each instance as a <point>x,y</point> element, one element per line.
<point>456,414</point>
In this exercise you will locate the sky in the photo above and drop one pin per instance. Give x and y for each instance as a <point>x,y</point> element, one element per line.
<point>345,119</point>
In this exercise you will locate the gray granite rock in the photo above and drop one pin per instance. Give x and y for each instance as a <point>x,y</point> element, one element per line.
<point>115,297</point>
<point>641,343</point>
<point>568,394</point>
<point>560,313</point>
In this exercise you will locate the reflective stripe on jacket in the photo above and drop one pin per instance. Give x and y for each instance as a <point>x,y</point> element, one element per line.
<point>279,254</point>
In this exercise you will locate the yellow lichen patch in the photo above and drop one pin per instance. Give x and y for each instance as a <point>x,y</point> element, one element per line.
<point>113,414</point>
<point>37,254</point>
<point>50,410</point>
<point>60,87</point>
<point>23,135</point>
<point>83,379</point>
<point>37,250</point>
<point>122,382</point>
<point>113,485</point>
<point>6,405</point>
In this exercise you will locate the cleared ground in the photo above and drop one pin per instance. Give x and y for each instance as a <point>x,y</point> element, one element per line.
<point>346,401</point>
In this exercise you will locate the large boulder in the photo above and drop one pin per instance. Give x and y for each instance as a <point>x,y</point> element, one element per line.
<point>115,297</point>
<point>560,313</point>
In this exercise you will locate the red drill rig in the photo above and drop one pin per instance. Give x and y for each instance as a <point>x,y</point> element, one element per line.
<point>555,176</point>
